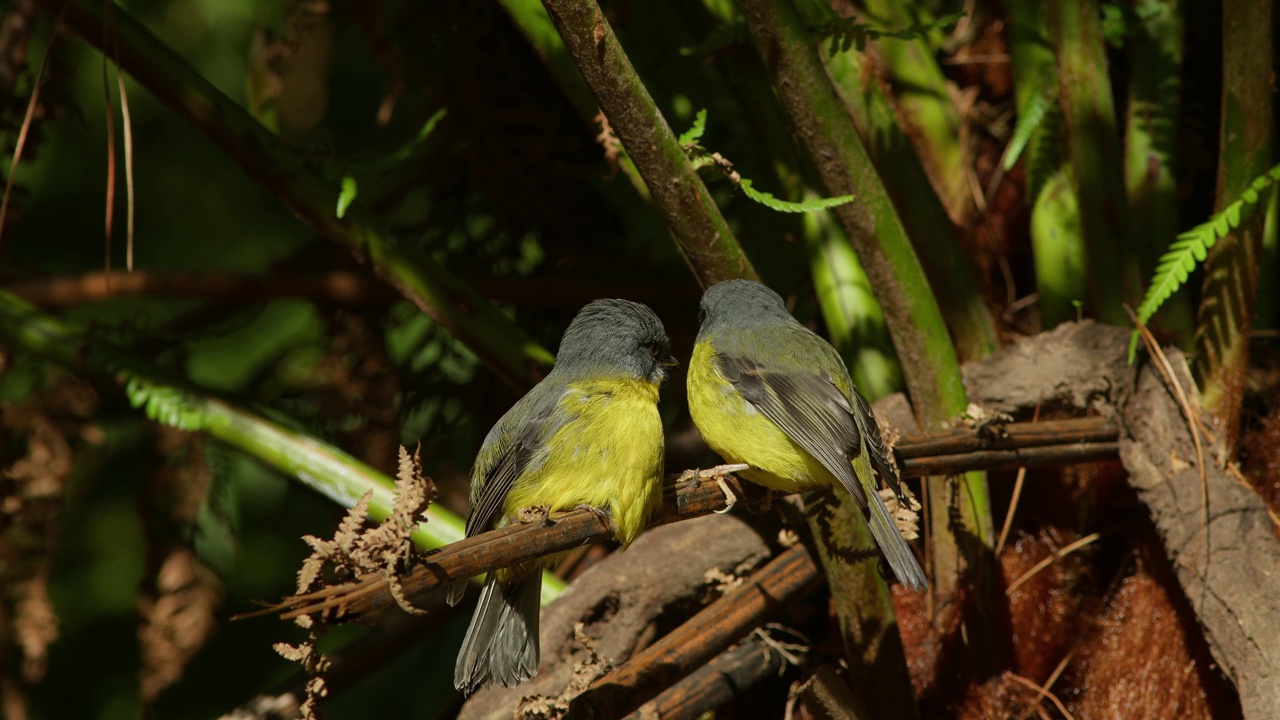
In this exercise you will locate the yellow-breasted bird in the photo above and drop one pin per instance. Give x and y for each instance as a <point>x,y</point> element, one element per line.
<point>766,391</point>
<point>587,435</point>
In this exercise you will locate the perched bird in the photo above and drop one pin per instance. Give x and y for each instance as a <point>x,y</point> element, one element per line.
<point>766,391</point>
<point>588,435</point>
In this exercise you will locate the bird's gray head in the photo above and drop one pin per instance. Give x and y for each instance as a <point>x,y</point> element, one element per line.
<point>740,304</point>
<point>618,336</point>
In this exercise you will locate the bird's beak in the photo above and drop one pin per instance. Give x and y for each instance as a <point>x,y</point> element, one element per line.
<point>667,360</point>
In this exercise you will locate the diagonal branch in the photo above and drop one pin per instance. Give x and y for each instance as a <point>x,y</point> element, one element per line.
<point>700,231</point>
<point>285,173</point>
<point>960,550</point>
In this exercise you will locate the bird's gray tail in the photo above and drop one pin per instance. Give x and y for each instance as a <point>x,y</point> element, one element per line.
<point>501,644</point>
<point>893,545</point>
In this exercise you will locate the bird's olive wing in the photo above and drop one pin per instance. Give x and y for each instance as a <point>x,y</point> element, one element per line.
<point>808,407</point>
<point>506,453</point>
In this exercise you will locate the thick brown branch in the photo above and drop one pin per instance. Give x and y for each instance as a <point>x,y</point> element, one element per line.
<point>1012,445</point>
<point>785,579</point>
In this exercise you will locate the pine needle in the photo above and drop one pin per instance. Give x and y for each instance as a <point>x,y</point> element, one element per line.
<point>1082,542</point>
<point>1017,493</point>
<point>27,120</point>
<point>1044,693</point>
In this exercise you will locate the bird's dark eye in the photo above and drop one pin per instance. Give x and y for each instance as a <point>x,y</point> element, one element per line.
<point>702,315</point>
<point>654,349</point>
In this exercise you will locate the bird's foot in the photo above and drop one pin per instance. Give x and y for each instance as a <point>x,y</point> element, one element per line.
<point>729,498</point>
<point>601,514</point>
<point>717,473</point>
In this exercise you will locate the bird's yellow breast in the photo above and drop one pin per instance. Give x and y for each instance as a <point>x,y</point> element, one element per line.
<point>740,434</point>
<point>608,456</point>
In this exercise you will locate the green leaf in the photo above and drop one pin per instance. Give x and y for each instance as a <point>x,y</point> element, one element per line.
<point>769,201</point>
<point>347,195</point>
<point>690,137</point>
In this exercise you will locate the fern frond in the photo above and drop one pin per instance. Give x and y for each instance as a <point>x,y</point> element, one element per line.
<point>1192,247</point>
<point>1044,154</point>
<point>700,157</point>
<point>690,137</point>
<point>165,404</point>
<point>846,33</point>
<point>773,203</point>
<point>1030,119</point>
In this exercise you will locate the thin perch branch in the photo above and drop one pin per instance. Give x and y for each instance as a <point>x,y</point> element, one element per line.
<point>1030,444</point>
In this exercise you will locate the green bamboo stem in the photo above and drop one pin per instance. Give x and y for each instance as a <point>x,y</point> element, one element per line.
<point>921,93</point>
<point>1113,276</point>
<point>283,171</point>
<point>1231,272</point>
<point>914,321</point>
<point>922,213</point>
<point>699,230</point>
<point>301,457</point>
<point>1056,237</point>
<point>1155,51</point>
